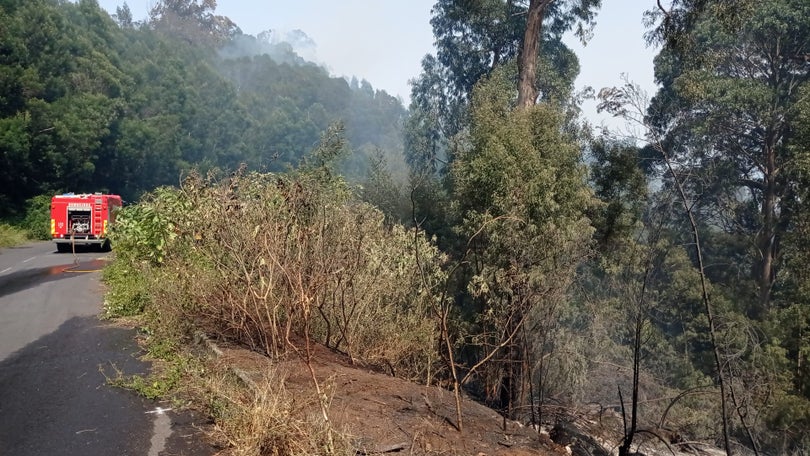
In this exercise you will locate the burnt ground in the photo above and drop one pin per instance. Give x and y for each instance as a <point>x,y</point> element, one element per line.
<point>387,415</point>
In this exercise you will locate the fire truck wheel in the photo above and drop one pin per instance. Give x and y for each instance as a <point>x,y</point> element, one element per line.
<point>63,248</point>
<point>106,247</point>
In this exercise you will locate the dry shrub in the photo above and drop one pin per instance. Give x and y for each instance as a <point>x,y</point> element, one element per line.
<point>373,307</point>
<point>268,420</point>
<point>272,262</point>
<point>264,259</point>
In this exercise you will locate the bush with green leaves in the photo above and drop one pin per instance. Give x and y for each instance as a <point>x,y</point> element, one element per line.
<point>38,216</point>
<point>143,232</point>
<point>33,224</point>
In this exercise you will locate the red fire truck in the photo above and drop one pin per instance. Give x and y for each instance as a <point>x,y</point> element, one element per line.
<point>82,219</point>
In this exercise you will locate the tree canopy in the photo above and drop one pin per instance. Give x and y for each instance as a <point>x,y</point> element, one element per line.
<point>94,103</point>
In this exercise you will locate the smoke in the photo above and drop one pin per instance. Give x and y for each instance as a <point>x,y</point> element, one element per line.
<point>293,47</point>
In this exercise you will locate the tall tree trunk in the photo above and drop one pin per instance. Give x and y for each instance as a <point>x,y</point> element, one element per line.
<point>527,61</point>
<point>766,239</point>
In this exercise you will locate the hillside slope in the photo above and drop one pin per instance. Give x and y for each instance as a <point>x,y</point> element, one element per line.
<point>383,414</point>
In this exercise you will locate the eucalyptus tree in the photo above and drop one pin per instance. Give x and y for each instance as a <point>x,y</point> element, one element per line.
<point>522,196</point>
<point>473,38</point>
<point>789,325</point>
<point>731,75</point>
<point>504,174</point>
<point>734,79</point>
<point>193,20</point>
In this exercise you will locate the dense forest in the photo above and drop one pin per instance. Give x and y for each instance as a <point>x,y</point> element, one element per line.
<point>94,103</point>
<point>522,258</point>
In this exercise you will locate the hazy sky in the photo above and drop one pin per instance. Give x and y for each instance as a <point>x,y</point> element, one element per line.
<point>383,41</point>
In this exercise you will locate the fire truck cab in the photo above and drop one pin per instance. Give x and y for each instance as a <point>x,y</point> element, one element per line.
<point>82,219</point>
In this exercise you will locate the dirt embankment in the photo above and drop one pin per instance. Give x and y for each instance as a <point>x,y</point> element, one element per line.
<point>387,415</point>
<point>380,414</point>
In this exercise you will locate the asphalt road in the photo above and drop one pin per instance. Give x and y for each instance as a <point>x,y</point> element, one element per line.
<point>54,399</point>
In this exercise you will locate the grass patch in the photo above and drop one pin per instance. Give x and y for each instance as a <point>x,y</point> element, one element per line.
<point>11,235</point>
<point>263,420</point>
<point>127,289</point>
<point>168,377</point>
<point>269,420</point>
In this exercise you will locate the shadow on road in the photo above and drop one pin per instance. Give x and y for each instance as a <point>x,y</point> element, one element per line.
<point>54,397</point>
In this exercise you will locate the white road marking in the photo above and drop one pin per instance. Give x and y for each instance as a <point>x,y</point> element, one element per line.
<point>26,261</point>
<point>5,270</point>
<point>159,410</point>
<point>161,430</point>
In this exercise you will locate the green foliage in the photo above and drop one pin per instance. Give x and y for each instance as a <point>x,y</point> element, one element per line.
<point>789,338</point>
<point>731,128</point>
<point>522,196</point>
<point>11,235</point>
<point>37,219</point>
<point>521,165</point>
<point>620,184</point>
<point>473,40</point>
<point>383,191</point>
<point>494,32</point>
<point>736,131</point>
<point>143,231</point>
<point>142,235</point>
<point>173,372</point>
<point>790,415</point>
<point>127,288</point>
<point>158,385</point>
<point>192,21</point>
